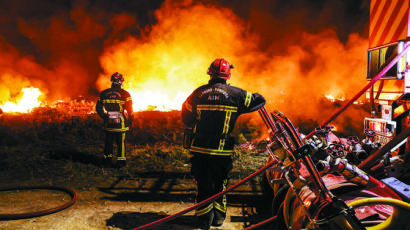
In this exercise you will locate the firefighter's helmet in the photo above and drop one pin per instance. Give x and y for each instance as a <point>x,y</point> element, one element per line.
<point>220,68</point>
<point>117,78</point>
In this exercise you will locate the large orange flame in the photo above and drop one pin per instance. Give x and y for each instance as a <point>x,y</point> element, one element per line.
<point>170,60</point>
<point>25,102</point>
<point>165,65</point>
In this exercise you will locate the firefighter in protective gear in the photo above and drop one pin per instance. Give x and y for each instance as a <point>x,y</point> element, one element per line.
<point>114,106</point>
<point>211,111</point>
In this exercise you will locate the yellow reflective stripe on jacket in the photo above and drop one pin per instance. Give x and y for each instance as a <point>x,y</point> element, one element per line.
<point>224,108</point>
<point>226,123</point>
<point>116,129</point>
<point>248,99</point>
<point>113,101</point>
<point>198,112</point>
<point>225,130</point>
<point>188,106</point>
<point>212,151</point>
<point>217,108</point>
<point>221,144</point>
<point>128,99</point>
<point>205,210</point>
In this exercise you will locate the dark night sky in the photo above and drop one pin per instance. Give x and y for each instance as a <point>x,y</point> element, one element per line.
<point>274,19</point>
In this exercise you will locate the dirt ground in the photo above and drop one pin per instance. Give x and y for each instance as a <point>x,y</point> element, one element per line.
<point>124,203</point>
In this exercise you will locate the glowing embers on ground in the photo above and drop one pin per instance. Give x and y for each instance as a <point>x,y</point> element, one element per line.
<point>27,100</point>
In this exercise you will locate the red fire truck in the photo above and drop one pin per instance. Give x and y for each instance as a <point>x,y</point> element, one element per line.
<point>389,32</point>
<point>318,183</point>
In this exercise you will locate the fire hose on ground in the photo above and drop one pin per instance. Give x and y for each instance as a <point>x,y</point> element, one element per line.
<point>72,193</point>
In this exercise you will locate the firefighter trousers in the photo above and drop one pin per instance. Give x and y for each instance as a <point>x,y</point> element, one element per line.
<point>119,138</point>
<point>211,176</point>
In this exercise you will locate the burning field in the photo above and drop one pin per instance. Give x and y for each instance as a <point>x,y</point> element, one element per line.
<point>164,49</point>
<point>305,58</point>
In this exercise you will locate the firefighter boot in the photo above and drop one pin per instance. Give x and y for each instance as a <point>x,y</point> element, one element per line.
<point>121,163</point>
<point>107,162</point>
<point>219,218</point>
<point>204,221</point>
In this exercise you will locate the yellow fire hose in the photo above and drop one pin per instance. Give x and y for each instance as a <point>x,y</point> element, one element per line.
<point>399,218</point>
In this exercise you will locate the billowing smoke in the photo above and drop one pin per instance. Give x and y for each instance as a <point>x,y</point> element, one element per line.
<point>61,42</point>
<point>292,52</point>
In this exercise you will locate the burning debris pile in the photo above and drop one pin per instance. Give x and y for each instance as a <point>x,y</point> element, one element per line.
<point>78,107</point>
<point>57,112</point>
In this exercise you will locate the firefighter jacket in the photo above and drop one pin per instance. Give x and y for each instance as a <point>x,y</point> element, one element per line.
<point>114,106</point>
<point>212,111</point>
